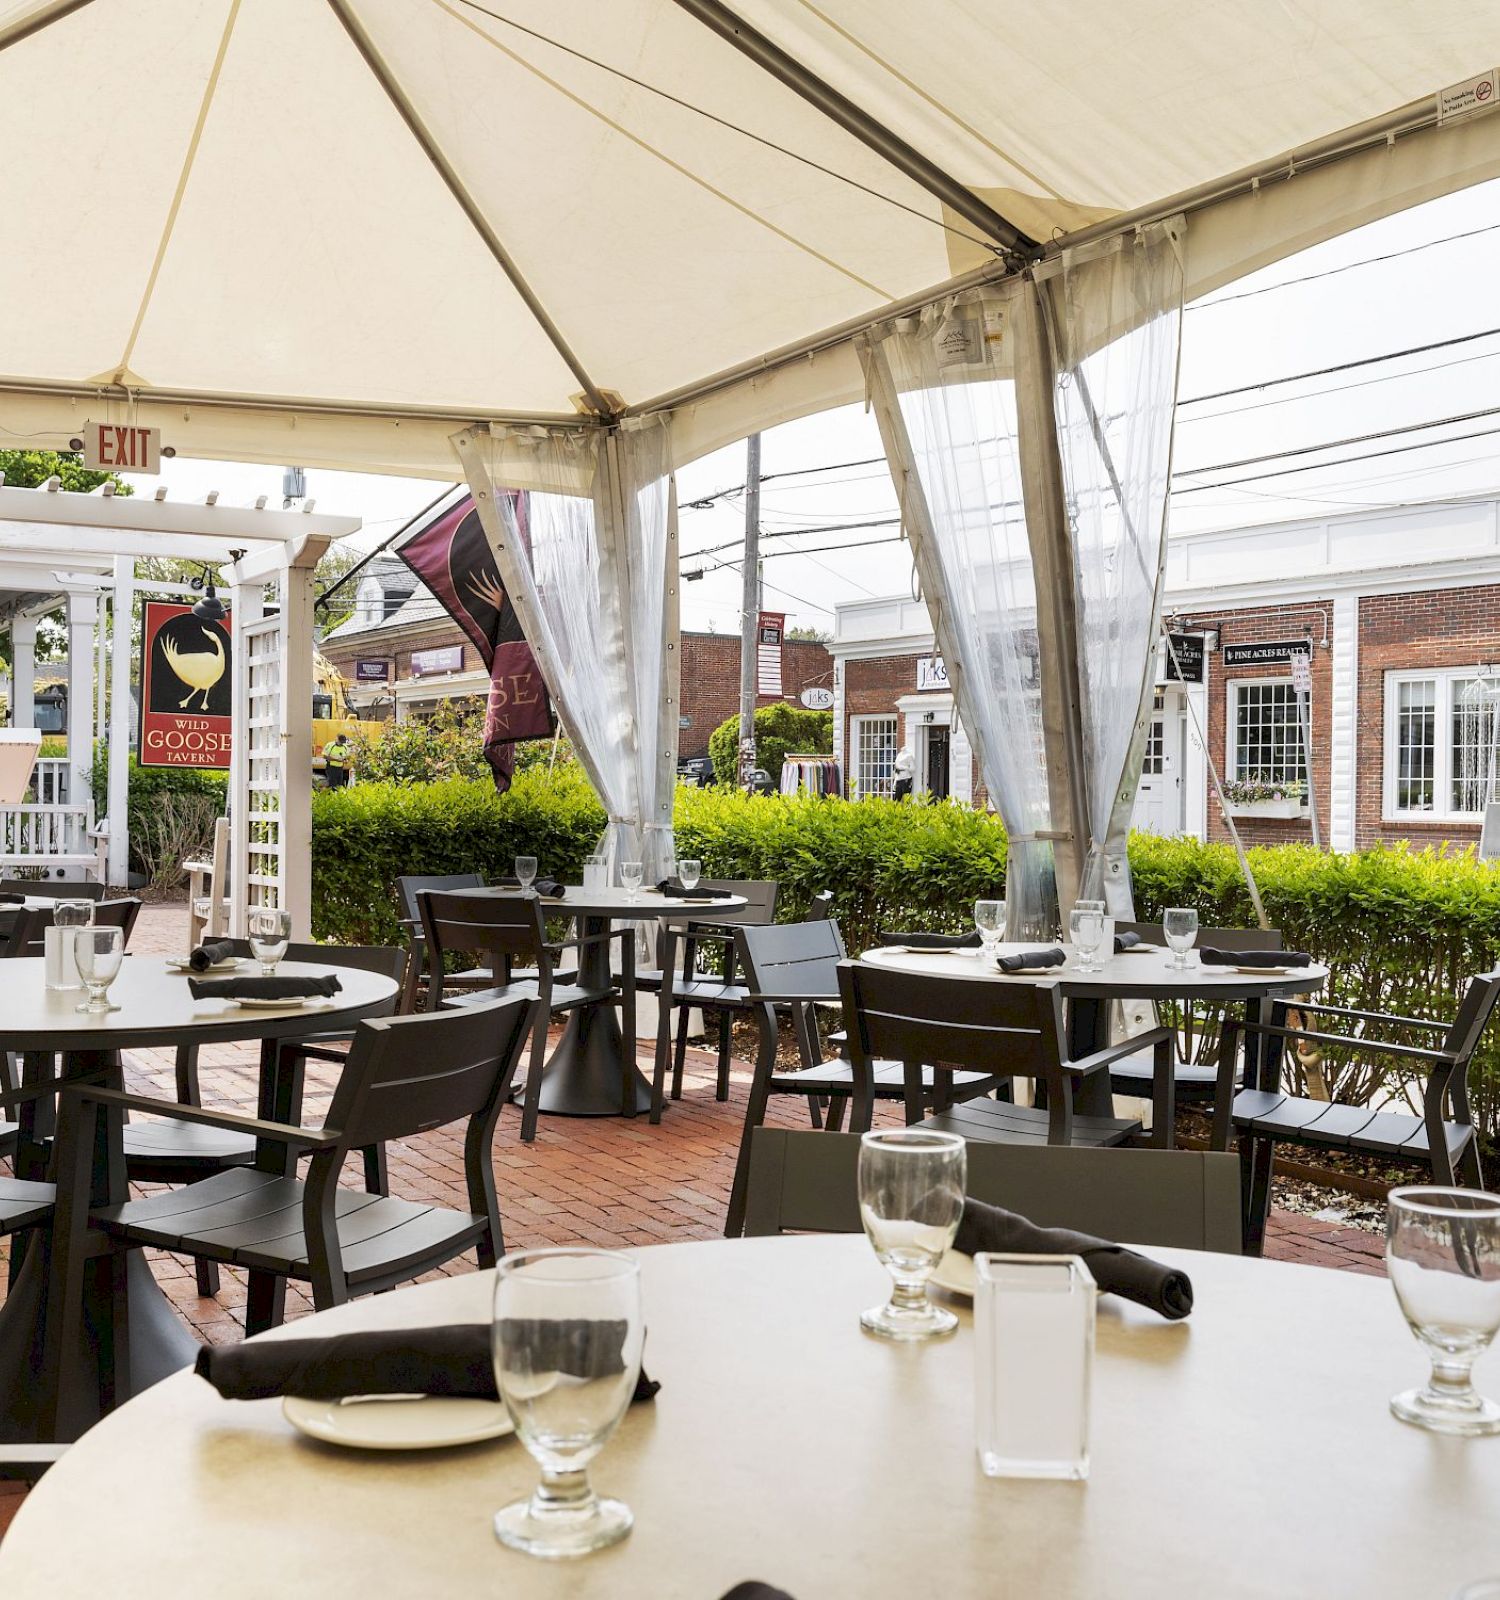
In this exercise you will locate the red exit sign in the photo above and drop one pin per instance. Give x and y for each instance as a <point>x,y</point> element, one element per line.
<point>109,447</point>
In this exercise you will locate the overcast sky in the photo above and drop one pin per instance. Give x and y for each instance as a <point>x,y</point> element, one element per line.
<point>1334,304</point>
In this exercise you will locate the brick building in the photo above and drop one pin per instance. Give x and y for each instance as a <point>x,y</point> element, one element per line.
<point>1397,615</point>
<point>402,654</point>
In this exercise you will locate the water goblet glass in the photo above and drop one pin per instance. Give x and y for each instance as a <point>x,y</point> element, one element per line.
<point>1086,931</point>
<point>98,952</point>
<point>989,921</point>
<point>567,1348</point>
<point>1180,925</point>
<point>1442,1252</point>
<point>270,931</point>
<point>911,1198</point>
<point>688,874</point>
<point>631,874</point>
<point>526,872</point>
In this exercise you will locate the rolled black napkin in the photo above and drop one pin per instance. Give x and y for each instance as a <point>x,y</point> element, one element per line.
<point>699,891</point>
<point>547,888</point>
<point>932,941</point>
<point>9,899</point>
<point>1028,959</point>
<point>1254,958</point>
<point>455,1361</point>
<point>308,986</point>
<point>210,954</point>
<point>1126,941</point>
<point>1166,1290</point>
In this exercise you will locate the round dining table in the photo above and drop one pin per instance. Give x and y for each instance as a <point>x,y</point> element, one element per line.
<point>154,1008</point>
<point>583,1073</point>
<point>1245,1452</point>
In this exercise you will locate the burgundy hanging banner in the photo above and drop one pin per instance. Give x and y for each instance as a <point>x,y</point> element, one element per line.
<point>453,558</point>
<point>186,708</point>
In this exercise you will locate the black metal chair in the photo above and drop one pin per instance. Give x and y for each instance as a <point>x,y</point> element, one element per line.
<point>794,968</point>
<point>53,888</point>
<point>1180,1199</point>
<point>1262,1115</point>
<point>693,986</point>
<point>503,930</point>
<point>404,1076</point>
<point>30,925</point>
<point>932,1022</point>
<point>407,889</point>
<point>1199,1026</point>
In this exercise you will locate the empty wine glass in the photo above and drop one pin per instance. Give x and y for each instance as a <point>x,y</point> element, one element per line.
<point>270,931</point>
<point>1442,1251</point>
<point>688,873</point>
<point>1086,931</point>
<point>989,920</point>
<point>99,952</point>
<point>1180,925</point>
<point>631,874</point>
<point>567,1348</point>
<point>526,872</point>
<point>911,1197</point>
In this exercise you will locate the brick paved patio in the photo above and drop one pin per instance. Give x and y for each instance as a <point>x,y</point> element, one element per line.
<point>604,1181</point>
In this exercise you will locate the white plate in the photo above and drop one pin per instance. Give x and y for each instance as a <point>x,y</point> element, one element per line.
<point>305,1003</point>
<point>410,1422</point>
<point>181,964</point>
<point>1264,972</point>
<point>955,1273</point>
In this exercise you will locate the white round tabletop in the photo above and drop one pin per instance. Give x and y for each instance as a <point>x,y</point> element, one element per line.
<point>156,1006</point>
<point>641,905</point>
<point>1245,1452</point>
<point>1146,972</point>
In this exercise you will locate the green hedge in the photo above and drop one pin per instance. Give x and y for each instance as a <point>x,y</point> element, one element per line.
<point>780,730</point>
<point>1401,930</point>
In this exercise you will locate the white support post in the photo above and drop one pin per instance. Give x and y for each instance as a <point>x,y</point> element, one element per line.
<point>23,672</point>
<point>121,651</point>
<point>246,606</point>
<point>83,617</point>
<point>297,618</point>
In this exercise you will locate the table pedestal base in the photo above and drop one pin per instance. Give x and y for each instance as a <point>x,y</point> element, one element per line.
<point>582,1079</point>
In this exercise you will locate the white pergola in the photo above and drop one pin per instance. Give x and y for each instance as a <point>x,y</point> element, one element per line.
<point>78,552</point>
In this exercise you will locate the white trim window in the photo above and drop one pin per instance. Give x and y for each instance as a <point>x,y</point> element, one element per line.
<point>875,741</point>
<point>1263,735</point>
<point>1437,760</point>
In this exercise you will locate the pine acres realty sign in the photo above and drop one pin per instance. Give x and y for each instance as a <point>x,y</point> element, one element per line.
<point>185,689</point>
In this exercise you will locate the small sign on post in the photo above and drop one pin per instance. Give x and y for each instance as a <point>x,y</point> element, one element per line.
<point>1185,657</point>
<point>108,447</point>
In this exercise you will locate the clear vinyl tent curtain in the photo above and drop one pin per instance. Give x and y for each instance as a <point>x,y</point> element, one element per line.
<point>589,559</point>
<point>1028,428</point>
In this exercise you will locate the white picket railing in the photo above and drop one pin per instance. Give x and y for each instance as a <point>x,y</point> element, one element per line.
<point>50,836</point>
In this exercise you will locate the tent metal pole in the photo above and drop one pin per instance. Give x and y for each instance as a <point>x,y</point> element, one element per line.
<point>23,29</point>
<point>855,120</point>
<point>467,204</point>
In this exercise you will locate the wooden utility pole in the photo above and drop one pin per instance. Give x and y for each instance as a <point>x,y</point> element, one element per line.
<point>750,609</point>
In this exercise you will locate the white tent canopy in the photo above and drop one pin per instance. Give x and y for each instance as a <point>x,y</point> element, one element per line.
<point>335,231</point>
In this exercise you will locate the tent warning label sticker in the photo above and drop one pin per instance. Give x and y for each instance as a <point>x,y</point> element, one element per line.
<point>1471,96</point>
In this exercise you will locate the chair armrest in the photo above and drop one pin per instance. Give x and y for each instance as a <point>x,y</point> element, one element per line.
<point>232,1122</point>
<point>1373,1046</point>
<point>1368,1016</point>
<point>1100,1059</point>
<point>197,866</point>
<point>805,997</point>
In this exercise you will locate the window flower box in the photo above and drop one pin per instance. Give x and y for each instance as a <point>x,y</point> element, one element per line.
<point>1258,798</point>
<point>1285,808</point>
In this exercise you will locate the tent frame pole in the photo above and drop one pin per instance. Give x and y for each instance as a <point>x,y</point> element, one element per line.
<point>23,29</point>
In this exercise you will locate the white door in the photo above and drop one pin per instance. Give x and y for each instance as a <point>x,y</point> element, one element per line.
<point>1158,803</point>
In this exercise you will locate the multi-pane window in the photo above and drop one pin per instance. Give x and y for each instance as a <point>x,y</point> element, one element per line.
<point>874,754</point>
<point>1441,757</point>
<point>1266,740</point>
<point>1151,767</point>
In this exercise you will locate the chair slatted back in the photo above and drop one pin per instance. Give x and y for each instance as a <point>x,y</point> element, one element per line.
<point>498,929</point>
<point>1474,1013</point>
<point>931,1019</point>
<point>796,960</point>
<point>410,886</point>
<point>386,960</point>
<point>119,914</point>
<point>820,907</point>
<point>27,936</point>
<point>1210,938</point>
<point>759,895</point>
<point>1177,1199</point>
<point>53,888</point>
<point>408,1075</point>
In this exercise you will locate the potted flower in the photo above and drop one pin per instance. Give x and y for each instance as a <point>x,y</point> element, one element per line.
<point>1258,797</point>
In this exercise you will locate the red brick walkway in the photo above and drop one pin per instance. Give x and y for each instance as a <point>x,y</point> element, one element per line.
<point>602,1181</point>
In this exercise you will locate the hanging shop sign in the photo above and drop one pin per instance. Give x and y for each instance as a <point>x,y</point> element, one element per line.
<point>186,702</point>
<point>427,663</point>
<point>932,673</point>
<point>769,634</point>
<point>372,672</point>
<point>109,448</point>
<point>1265,652</point>
<point>1186,655</point>
<point>817,699</point>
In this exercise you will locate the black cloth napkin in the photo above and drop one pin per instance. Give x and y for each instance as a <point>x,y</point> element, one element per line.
<point>210,954</point>
<point>454,1360</point>
<point>547,888</point>
<point>1254,958</point>
<point>1126,941</point>
<point>756,1591</point>
<point>1166,1290</point>
<point>1029,959</point>
<point>308,986</point>
<point>932,941</point>
<point>699,891</point>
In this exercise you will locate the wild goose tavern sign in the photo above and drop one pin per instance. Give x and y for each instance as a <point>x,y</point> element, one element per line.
<point>186,705</point>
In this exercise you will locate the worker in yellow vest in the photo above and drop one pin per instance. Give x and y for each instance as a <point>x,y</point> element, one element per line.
<point>337,757</point>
